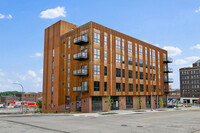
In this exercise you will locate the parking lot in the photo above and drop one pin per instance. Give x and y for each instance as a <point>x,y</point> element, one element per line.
<point>150,122</point>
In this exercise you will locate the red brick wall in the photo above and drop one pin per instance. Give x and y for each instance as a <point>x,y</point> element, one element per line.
<point>122,103</point>
<point>105,106</point>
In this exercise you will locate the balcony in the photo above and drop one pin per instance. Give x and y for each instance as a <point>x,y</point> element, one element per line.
<point>166,91</point>
<point>80,89</point>
<point>169,80</point>
<point>169,70</point>
<point>80,40</point>
<point>80,72</point>
<point>168,60</point>
<point>83,55</point>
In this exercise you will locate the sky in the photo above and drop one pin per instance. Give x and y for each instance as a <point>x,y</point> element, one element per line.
<point>171,24</point>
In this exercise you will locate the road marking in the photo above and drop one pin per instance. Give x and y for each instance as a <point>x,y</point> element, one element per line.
<point>162,116</point>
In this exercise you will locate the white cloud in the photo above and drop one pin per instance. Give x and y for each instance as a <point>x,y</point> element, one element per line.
<point>9,16</point>
<point>198,10</point>
<point>2,16</point>
<point>5,17</point>
<point>2,73</point>
<point>157,45</point>
<point>36,55</point>
<point>180,62</point>
<point>41,71</point>
<point>195,47</point>
<point>31,73</point>
<point>172,51</point>
<point>53,13</point>
<point>187,61</point>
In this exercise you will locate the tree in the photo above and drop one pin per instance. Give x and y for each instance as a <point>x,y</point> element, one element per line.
<point>39,104</point>
<point>139,102</point>
<point>161,102</point>
<point>109,101</point>
<point>177,102</point>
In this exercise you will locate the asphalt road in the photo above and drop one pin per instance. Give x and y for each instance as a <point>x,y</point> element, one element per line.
<point>153,122</point>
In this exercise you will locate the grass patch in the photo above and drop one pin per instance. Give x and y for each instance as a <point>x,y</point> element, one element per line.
<point>108,113</point>
<point>177,109</point>
<point>139,111</point>
<point>188,106</point>
<point>38,111</point>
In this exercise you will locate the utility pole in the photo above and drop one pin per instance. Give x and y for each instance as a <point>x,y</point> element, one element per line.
<point>22,94</point>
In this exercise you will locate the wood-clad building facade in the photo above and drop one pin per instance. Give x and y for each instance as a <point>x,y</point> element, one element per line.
<point>84,65</point>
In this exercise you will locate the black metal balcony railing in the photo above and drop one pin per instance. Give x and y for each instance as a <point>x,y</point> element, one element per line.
<point>166,90</point>
<point>80,72</point>
<point>169,80</point>
<point>80,89</point>
<point>169,70</point>
<point>168,60</point>
<point>80,56</point>
<point>81,39</point>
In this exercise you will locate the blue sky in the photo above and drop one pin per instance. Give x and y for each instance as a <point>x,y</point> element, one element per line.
<point>171,24</point>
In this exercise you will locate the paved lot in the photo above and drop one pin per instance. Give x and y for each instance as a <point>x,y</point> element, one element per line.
<point>151,122</point>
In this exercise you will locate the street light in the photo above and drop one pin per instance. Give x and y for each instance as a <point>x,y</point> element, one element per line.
<point>22,94</point>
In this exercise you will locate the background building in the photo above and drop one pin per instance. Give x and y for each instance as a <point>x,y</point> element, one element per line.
<point>83,65</point>
<point>190,83</point>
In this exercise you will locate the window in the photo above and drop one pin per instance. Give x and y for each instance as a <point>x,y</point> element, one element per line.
<point>158,56</point>
<point>53,65</point>
<point>130,74</point>
<point>140,51</point>
<point>96,69</point>
<point>118,59</point>
<point>141,75</point>
<point>154,66</point>
<point>105,71</point>
<point>96,53</point>
<point>146,63</point>
<point>146,76</point>
<point>105,55</point>
<point>130,61</point>
<point>136,87</point>
<point>96,86</point>
<point>118,44</point>
<point>105,86</point>
<point>105,40</point>
<point>68,72</point>
<point>123,86</point>
<point>68,58</point>
<point>130,87</point>
<point>130,48</point>
<point>135,48</point>
<point>68,87</point>
<point>141,63</point>
<point>154,77</point>
<point>147,89</point>
<point>145,52</point>
<point>52,90</point>
<point>52,77</point>
<point>69,43</point>
<point>96,37</point>
<point>123,60</point>
<point>154,88</point>
<point>141,88</point>
<point>136,62</point>
<point>123,73</point>
<point>122,45</point>
<point>118,87</point>
<point>136,75</point>
<point>153,55</point>
<point>118,72</point>
<point>67,102</point>
<point>53,52</point>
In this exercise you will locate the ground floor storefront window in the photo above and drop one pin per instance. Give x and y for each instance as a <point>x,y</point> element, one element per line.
<point>115,105</point>
<point>129,102</point>
<point>96,103</point>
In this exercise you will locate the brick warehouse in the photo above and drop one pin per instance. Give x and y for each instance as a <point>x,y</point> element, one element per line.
<point>84,65</point>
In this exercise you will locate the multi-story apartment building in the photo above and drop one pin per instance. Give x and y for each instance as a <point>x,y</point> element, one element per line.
<point>190,83</point>
<point>84,65</point>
